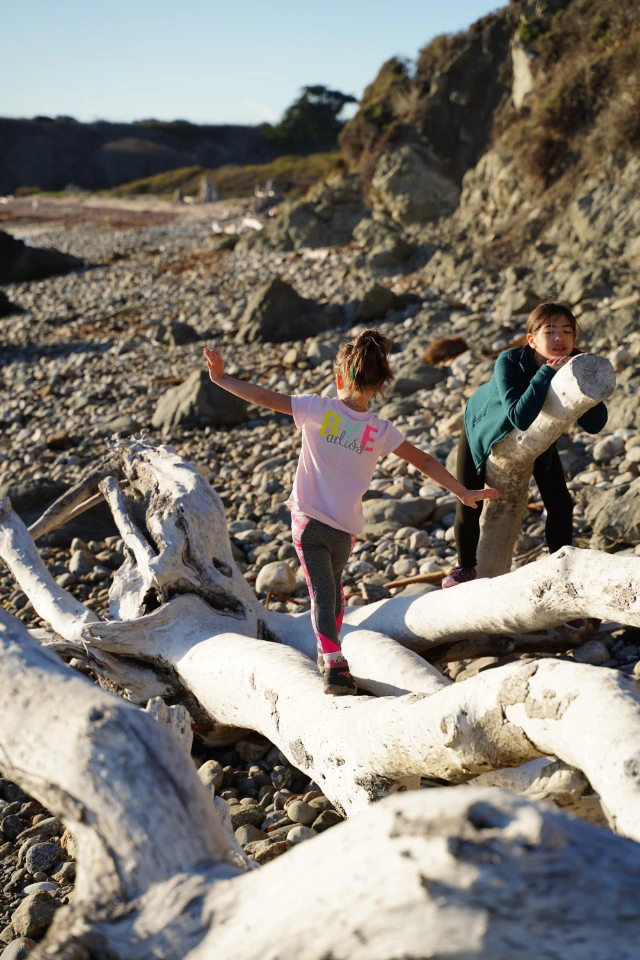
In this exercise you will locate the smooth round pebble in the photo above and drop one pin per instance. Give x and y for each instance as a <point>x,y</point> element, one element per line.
<point>300,833</point>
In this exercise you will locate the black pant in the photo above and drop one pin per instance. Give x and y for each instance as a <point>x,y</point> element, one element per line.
<point>553,490</point>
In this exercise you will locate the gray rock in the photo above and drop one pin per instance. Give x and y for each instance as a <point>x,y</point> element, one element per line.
<point>242,815</point>
<point>66,873</point>
<point>407,184</point>
<point>415,375</point>
<point>299,834</point>
<point>325,218</point>
<point>41,885</point>
<point>199,402</point>
<point>43,857</point>
<point>412,512</point>
<point>248,833</point>
<point>326,819</point>
<point>34,915</point>
<point>593,651</point>
<point>176,333</point>
<point>276,313</point>
<point>20,263</point>
<point>269,849</point>
<point>6,307</point>
<point>211,774</point>
<point>614,514</point>
<point>377,301</point>
<point>18,949</point>
<point>300,812</point>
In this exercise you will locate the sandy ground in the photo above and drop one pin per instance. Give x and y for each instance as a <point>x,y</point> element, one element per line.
<point>32,215</point>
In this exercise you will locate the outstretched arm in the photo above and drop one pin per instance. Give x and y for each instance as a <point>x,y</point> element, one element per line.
<point>251,392</point>
<point>433,469</point>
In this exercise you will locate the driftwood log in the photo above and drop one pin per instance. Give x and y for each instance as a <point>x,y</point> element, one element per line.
<point>473,873</point>
<point>576,387</point>
<point>184,625</point>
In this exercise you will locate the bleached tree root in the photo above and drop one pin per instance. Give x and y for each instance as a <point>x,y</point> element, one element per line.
<point>358,749</point>
<point>458,873</point>
<point>576,387</point>
<point>570,583</point>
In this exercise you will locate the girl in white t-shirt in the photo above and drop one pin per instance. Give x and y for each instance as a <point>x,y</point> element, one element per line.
<point>341,443</point>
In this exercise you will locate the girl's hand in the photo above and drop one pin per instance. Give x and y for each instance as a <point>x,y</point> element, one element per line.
<point>556,362</point>
<point>470,497</point>
<point>215,364</point>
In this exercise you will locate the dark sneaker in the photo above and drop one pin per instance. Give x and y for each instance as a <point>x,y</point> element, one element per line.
<point>459,575</point>
<point>338,680</point>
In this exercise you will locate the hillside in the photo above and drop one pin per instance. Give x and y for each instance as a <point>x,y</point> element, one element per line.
<point>51,154</point>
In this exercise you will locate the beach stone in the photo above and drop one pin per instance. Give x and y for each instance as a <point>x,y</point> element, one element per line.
<point>413,512</point>
<point>34,915</point>
<point>66,873</point>
<point>593,651</point>
<point>299,834</point>
<point>42,857</point>
<point>211,774</point>
<point>41,885</point>
<point>276,577</point>
<point>11,826</point>
<point>199,402</point>
<point>326,819</point>
<point>242,815</point>
<point>18,949</point>
<point>300,812</point>
<point>249,833</point>
<point>268,850</point>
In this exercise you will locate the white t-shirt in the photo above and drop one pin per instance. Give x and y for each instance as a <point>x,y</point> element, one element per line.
<point>340,448</point>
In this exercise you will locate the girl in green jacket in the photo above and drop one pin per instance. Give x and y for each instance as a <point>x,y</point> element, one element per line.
<point>512,399</point>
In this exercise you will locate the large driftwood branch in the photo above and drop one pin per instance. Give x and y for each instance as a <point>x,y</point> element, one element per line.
<point>579,385</point>
<point>461,871</point>
<point>207,644</point>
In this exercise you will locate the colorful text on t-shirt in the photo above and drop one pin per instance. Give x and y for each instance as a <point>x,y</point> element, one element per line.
<point>342,432</point>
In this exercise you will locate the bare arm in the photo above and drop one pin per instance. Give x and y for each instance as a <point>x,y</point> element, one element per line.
<point>251,392</point>
<point>433,469</point>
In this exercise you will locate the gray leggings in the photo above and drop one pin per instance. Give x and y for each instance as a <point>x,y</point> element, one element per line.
<point>323,552</point>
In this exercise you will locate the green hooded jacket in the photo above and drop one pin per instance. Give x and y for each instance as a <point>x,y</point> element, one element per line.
<point>512,399</point>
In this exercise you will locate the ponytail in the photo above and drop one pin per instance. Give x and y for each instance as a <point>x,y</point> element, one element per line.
<point>364,362</point>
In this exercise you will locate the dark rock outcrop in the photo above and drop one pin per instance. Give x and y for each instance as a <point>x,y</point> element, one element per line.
<point>19,262</point>
<point>277,313</point>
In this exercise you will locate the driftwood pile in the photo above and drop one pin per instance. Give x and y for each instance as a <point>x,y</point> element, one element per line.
<point>467,872</point>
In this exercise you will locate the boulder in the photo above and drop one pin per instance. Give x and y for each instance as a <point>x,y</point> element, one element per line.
<point>408,186</point>
<point>6,307</point>
<point>414,374</point>
<point>385,246</point>
<point>176,333</point>
<point>276,313</point>
<point>376,303</point>
<point>19,263</point>
<point>198,402</point>
<point>393,514</point>
<point>614,514</point>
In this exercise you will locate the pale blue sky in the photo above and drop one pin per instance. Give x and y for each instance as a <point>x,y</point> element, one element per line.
<point>240,61</point>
